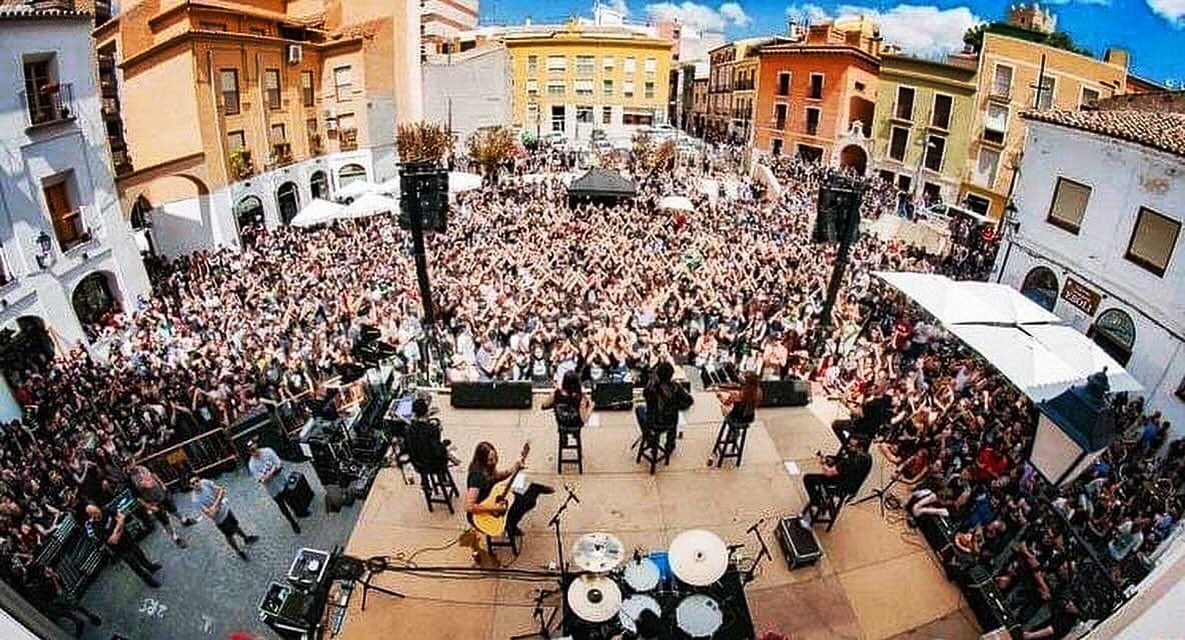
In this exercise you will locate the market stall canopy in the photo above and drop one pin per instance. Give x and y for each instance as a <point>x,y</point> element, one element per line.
<point>356,189</point>
<point>676,203</point>
<point>960,302</point>
<point>318,211</point>
<point>460,181</point>
<point>601,183</point>
<point>371,204</point>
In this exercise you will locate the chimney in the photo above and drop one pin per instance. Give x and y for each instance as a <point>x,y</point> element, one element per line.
<point>1116,57</point>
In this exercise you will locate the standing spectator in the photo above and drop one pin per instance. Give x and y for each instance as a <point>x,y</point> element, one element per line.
<point>211,498</point>
<point>267,469</point>
<point>154,496</point>
<point>107,528</point>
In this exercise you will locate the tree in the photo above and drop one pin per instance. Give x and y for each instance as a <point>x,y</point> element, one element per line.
<point>423,142</point>
<point>973,37</point>
<point>490,148</point>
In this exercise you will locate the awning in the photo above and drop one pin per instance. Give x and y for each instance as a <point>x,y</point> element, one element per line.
<point>371,204</point>
<point>956,302</point>
<point>318,211</point>
<point>356,189</point>
<point>676,203</point>
<point>602,183</point>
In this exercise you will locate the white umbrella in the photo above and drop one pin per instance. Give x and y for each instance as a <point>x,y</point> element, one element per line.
<point>459,181</point>
<point>393,186</point>
<point>371,204</point>
<point>355,189</point>
<point>1083,355</point>
<point>678,203</point>
<point>318,211</point>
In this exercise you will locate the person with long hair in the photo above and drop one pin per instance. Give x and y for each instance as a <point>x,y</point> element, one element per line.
<point>572,407</point>
<point>664,400</point>
<point>484,474</point>
<point>740,406</point>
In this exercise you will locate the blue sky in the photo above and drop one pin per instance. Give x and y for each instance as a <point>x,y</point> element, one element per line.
<point>1153,31</point>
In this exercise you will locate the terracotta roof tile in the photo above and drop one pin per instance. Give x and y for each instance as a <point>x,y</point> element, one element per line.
<point>1159,130</point>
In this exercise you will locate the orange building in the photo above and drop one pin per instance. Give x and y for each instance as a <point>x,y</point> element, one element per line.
<point>811,94</point>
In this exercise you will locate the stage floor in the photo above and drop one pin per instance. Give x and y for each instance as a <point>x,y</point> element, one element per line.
<point>877,578</point>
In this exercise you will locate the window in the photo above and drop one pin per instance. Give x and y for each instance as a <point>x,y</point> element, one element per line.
<point>904,182</point>
<point>784,83</point>
<point>904,109</point>
<point>584,87</point>
<point>584,114</point>
<point>306,88</point>
<point>1002,82</point>
<point>650,66</point>
<point>860,86</point>
<point>985,167</point>
<point>230,91</point>
<point>345,122</point>
<point>1046,92</point>
<point>555,88</point>
<point>532,64</point>
<point>342,80</point>
<point>940,115</point>
<point>532,87</point>
<point>627,88</point>
<point>586,65</point>
<point>1088,97</point>
<point>779,116</point>
<point>66,219</point>
<point>931,192</point>
<point>630,64</point>
<point>935,148</point>
<point>898,143</point>
<point>236,140</point>
<point>995,123</point>
<point>813,114</point>
<point>557,63</point>
<point>278,134</point>
<point>1153,241</point>
<point>977,204</point>
<point>557,118</point>
<point>775,147</point>
<point>1041,286</point>
<point>271,88</point>
<point>606,115</point>
<point>1069,205</point>
<point>46,100</point>
<point>816,90</point>
<point>648,90</point>
<point>607,88</point>
<point>212,26</point>
<point>1115,333</point>
<point>607,63</point>
<point>887,176</point>
<point>809,153</point>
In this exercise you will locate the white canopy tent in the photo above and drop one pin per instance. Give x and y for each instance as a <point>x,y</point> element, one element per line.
<point>461,181</point>
<point>676,203</point>
<point>371,204</point>
<point>392,187</point>
<point>356,189</point>
<point>318,211</point>
<point>1027,344</point>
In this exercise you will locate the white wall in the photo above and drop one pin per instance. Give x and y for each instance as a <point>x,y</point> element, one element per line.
<point>478,86</point>
<point>1123,177</point>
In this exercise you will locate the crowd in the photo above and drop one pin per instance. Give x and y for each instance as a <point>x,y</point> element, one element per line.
<point>529,288</point>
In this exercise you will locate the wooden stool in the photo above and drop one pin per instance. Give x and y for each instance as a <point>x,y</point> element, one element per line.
<point>651,449</point>
<point>570,440</point>
<point>827,512</point>
<point>730,441</point>
<point>506,541</point>
<point>439,488</point>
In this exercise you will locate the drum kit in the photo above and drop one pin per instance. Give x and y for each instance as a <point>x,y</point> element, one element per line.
<point>674,585</point>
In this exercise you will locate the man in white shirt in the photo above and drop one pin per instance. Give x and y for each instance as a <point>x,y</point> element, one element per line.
<point>267,469</point>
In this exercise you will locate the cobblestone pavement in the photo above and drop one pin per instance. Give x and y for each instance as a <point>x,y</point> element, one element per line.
<point>206,591</point>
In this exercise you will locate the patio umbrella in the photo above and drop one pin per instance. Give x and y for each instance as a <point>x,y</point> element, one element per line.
<point>676,203</point>
<point>371,204</point>
<point>318,211</point>
<point>355,189</point>
<point>460,181</point>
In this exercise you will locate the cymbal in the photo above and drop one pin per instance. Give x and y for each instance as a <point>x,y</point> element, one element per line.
<point>594,598</point>
<point>698,557</point>
<point>598,552</point>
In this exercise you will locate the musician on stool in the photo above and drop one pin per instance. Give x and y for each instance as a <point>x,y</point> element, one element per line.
<point>572,408</point>
<point>423,440</point>
<point>842,474</point>
<point>740,406</point>
<point>664,400</point>
<point>484,474</point>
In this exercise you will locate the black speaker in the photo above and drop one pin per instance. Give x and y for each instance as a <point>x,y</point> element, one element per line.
<point>490,395</point>
<point>613,396</point>
<point>335,498</point>
<point>785,393</point>
<point>298,494</point>
<point>426,188</point>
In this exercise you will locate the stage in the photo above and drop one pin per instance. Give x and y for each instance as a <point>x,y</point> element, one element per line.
<point>877,578</point>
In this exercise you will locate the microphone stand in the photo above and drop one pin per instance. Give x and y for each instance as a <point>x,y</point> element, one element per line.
<point>756,530</point>
<point>544,630</point>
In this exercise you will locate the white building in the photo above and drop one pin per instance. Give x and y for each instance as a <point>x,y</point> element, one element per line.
<point>443,20</point>
<point>1100,201</point>
<point>469,90</point>
<point>68,256</point>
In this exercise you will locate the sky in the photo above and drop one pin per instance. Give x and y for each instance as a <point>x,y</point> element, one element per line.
<point>1152,31</point>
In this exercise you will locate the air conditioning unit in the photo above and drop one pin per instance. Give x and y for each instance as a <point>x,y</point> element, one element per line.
<point>330,120</point>
<point>295,53</point>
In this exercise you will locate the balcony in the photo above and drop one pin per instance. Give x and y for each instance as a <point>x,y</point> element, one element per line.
<point>1000,94</point>
<point>282,153</point>
<point>316,145</point>
<point>71,231</point>
<point>347,139</point>
<point>110,108</point>
<point>108,88</point>
<point>121,161</point>
<point>241,164</point>
<point>106,63</point>
<point>50,105</point>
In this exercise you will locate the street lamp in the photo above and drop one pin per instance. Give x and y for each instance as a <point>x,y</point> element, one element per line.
<point>1011,223</point>
<point>1073,429</point>
<point>44,246</point>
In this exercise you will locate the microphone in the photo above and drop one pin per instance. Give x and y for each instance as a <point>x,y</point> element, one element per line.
<point>571,494</point>
<point>756,525</point>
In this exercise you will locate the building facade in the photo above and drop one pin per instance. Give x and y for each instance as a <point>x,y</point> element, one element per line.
<point>222,116</point>
<point>1100,201</point>
<point>719,113</point>
<point>698,123</point>
<point>576,78</point>
<point>816,97</point>
<point>921,134</point>
<point>1009,70</point>
<point>442,20</point>
<point>469,90</point>
<point>67,256</point>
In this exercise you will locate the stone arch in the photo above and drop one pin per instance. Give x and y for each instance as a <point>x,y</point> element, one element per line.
<point>249,216</point>
<point>854,157</point>
<point>319,185</point>
<point>350,173</point>
<point>288,201</point>
<point>96,296</point>
<point>25,342</point>
<point>1115,332</point>
<point>1041,286</point>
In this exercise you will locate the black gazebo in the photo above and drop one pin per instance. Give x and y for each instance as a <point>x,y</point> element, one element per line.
<point>600,185</point>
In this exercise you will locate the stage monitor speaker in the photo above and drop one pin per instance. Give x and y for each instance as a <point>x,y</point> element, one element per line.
<point>799,544</point>
<point>491,395</point>
<point>260,425</point>
<point>785,393</point>
<point>613,396</point>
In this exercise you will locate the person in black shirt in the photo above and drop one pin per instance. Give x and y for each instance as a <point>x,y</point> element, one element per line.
<point>428,452</point>
<point>572,408</point>
<point>108,528</point>
<point>842,474</point>
<point>664,400</point>
<point>43,588</point>
<point>484,474</point>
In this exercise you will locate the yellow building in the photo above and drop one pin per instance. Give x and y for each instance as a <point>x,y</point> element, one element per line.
<point>223,115</point>
<point>1008,72</point>
<point>576,78</point>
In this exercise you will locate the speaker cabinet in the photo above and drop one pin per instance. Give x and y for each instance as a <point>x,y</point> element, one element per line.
<point>613,396</point>
<point>785,393</point>
<point>491,395</point>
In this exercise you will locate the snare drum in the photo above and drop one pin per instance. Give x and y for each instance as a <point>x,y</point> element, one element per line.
<point>698,616</point>
<point>641,575</point>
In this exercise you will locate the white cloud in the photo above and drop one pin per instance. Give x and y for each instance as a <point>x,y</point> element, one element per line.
<point>700,16</point>
<point>617,6</point>
<point>1171,10</point>
<point>918,29</point>
<point>807,12</point>
<point>1097,2</point>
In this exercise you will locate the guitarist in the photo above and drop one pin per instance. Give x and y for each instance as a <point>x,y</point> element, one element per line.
<point>484,474</point>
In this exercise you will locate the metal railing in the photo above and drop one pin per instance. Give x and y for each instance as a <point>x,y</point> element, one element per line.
<point>49,104</point>
<point>347,139</point>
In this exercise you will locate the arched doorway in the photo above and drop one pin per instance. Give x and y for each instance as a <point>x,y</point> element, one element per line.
<point>25,345</point>
<point>1041,287</point>
<point>853,157</point>
<point>1115,333</point>
<point>350,173</point>
<point>95,301</point>
<point>288,200</point>
<point>319,185</point>
<point>249,217</point>
<point>140,210</point>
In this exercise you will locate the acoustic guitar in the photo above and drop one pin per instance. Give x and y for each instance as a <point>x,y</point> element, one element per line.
<point>500,495</point>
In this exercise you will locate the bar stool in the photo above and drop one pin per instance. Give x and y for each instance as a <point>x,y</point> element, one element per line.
<point>651,449</point>
<point>570,440</point>
<point>730,441</point>
<point>506,541</point>
<point>439,488</point>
